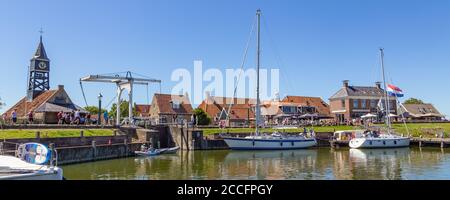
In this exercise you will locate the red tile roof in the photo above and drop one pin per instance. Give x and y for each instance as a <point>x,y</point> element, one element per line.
<point>24,106</point>
<point>240,108</point>
<point>165,101</point>
<point>142,110</point>
<point>322,107</point>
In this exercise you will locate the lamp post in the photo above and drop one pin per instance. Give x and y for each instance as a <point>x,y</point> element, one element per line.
<point>99,108</point>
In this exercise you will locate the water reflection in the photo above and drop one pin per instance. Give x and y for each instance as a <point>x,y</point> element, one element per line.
<point>378,163</point>
<point>270,164</point>
<point>296,164</point>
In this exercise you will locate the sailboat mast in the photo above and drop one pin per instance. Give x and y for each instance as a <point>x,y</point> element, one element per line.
<point>258,109</point>
<point>388,119</point>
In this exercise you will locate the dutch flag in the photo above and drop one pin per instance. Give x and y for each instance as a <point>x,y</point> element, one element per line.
<point>394,91</point>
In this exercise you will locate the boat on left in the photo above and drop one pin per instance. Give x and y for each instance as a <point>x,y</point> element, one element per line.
<point>32,161</point>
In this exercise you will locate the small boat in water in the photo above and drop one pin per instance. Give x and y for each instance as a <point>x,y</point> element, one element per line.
<point>155,152</point>
<point>30,164</point>
<point>171,150</point>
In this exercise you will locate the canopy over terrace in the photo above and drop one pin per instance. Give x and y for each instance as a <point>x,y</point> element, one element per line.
<point>368,115</point>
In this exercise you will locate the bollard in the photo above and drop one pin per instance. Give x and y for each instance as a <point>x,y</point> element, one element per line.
<point>94,148</point>
<point>125,142</point>
<point>38,135</point>
<point>115,132</point>
<point>1,148</point>
<point>442,144</point>
<point>81,133</point>
<point>53,160</point>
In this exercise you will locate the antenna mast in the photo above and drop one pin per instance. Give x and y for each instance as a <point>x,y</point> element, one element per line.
<point>258,109</point>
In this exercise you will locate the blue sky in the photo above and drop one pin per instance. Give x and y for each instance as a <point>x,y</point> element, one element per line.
<point>316,44</point>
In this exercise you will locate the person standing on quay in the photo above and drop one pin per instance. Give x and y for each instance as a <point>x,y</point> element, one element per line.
<point>30,117</point>
<point>5,118</point>
<point>77,117</point>
<point>14,116</point>
<point>105,117</point>
<point>59,116</point>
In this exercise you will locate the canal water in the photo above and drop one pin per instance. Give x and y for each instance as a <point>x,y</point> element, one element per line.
<point>313,164</point>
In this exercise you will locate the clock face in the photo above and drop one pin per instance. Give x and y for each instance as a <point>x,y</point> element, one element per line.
<point>42,65</point>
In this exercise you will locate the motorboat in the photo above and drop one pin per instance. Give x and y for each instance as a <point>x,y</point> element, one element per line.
<point>155,152</point>
<point>274,141</point>
<point>171,150</point>
<point>347,135</point>
<point>30,163</point>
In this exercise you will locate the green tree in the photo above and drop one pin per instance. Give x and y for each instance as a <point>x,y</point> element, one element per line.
<point>123,110</point>
<point>1,103</point>
<point>413,101</point>
<point>93,109</point>
<point>202,117</point>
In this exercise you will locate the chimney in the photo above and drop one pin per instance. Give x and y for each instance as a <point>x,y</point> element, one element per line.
<point>345,83</point>
<point>208,96</point>
<point>378,84</point>
<point>60,87</point>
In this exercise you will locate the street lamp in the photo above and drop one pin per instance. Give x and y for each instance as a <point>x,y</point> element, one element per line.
<point>99,107</point>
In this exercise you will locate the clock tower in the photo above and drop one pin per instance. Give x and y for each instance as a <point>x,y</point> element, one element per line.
<point>39,73</point>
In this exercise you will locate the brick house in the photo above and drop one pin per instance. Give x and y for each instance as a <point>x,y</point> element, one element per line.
<point>167,108</point>
<point>142,110</point>
<point>420,112</point>
<point>352,102</point>
<point>275,111</point>
<point>310,105</point>
<point>241,111</point>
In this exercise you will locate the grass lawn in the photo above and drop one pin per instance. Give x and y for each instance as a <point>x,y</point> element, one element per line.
<point>427,130</point>
<point>52,133</point>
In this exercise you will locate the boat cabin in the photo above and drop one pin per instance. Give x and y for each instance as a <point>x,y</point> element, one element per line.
<point>347,135</point>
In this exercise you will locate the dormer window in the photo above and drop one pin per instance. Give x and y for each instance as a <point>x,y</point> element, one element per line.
<point>175,104</point>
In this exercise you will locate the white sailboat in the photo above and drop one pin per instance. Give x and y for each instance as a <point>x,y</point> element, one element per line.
<point>383,140</point>
<point>274,141</point>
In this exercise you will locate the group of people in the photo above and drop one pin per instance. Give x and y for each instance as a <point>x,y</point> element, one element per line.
<point>13,118</point>
<point>74,117</point>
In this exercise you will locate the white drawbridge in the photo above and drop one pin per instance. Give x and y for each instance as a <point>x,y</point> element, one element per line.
<point>122,82</point>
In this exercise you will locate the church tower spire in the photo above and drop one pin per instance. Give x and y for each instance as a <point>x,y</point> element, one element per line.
<point>39,72</point>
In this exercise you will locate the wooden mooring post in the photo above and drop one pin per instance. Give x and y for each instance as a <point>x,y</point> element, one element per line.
<point>94,148</point>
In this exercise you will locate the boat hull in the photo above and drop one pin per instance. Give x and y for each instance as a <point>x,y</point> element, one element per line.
<point>55,174</point>
<point>268,144</point>
<point>369,143</point>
